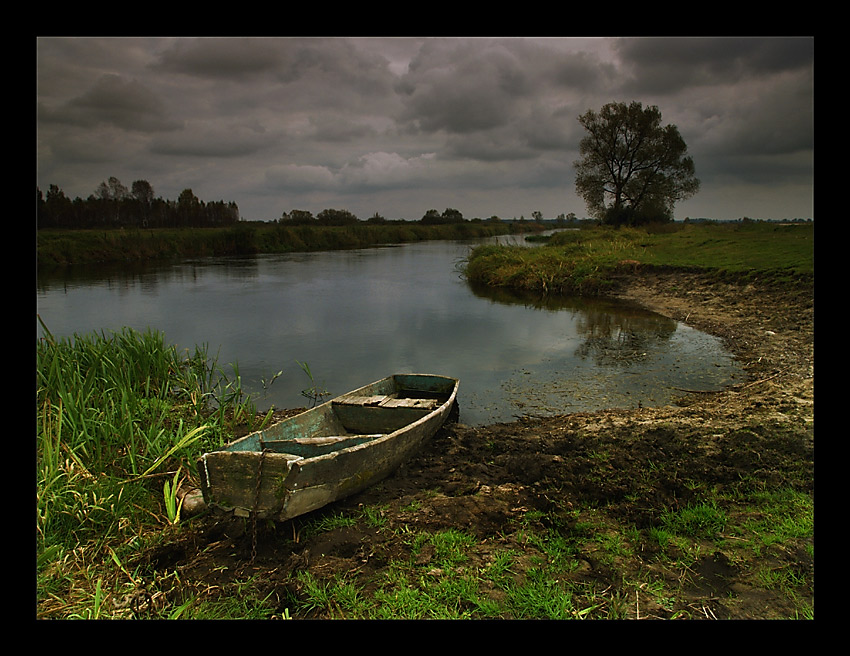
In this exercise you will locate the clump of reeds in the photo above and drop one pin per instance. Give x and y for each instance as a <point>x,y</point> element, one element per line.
<point>120,419</point>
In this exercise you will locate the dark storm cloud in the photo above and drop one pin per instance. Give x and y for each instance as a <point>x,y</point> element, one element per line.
<point>744,105</point>
<point>460,87</point>
<point>670,65</point>
<point>402,125</point>
<point>217,140</point>
<point>340,129</point>
<point>581,71</point>
<point>221,58</point>
<point>464,86</point>
<point>308,73</point>
<point>114,100</point>
<point>494,99</point>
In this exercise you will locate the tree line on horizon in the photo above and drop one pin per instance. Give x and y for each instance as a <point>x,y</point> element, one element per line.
<point>112,205</point>
<point>332,217</point>
<point>632,171</point>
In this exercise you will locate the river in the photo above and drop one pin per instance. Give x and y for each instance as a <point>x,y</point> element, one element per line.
<point>356,316</point>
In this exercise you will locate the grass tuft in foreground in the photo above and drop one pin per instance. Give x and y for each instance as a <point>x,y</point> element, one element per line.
<point>119,421</point>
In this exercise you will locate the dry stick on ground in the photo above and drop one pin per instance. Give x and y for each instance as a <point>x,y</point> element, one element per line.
<point>764,380</point>
<point>743,387</point>
<point>691,391</point>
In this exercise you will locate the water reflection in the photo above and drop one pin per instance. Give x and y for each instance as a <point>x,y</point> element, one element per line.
<point>142,276</point>
<point>613,332</point>
<point>357,316</point>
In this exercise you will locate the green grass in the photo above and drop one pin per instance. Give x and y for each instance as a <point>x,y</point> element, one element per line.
<point>450,586</point>
<point>783,515</point>
<point>239,603</point>
<point>63,247</point>
<point>589,260</point>
<point>450,574</point>
<point>447,584</point>
<point>120,419</point>
<point>700,520</point>
<point>735,247</point>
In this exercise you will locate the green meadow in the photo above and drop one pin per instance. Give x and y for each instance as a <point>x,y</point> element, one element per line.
<point>589,260</point>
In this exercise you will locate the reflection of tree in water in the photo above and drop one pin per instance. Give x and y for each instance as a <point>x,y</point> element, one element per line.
<point>614,333</point>
<point>147,276</point>
<point>613,337</point>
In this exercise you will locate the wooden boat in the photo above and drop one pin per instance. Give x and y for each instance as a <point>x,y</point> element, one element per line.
<point>329,452</point>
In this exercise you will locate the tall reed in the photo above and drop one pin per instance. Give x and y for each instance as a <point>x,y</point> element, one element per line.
<point>116,415</point>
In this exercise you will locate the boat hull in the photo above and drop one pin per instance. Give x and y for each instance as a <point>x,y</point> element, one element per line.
<point>329,452</point>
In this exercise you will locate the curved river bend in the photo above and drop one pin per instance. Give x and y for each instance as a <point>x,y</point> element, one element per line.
<point>357,316</point>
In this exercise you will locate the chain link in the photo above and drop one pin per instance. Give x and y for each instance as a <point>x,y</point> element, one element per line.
<point>257,503</point>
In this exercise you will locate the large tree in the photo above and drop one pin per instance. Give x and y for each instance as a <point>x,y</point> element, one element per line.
<point>142,191</point>
<point>632,169</point>
<point>112,193</point>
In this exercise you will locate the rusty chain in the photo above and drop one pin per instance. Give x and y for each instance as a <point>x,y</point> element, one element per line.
<point>257,502</point>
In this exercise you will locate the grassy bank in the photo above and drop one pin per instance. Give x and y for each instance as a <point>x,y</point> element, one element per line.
<point>589,261</point>
<point>120,419</point>
<point>64,247</point>
<point>617,517</point>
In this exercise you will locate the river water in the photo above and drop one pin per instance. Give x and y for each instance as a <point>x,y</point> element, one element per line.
<point>356,316</point>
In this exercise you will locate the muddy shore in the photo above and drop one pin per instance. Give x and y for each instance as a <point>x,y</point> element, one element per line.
<point>484,479</point>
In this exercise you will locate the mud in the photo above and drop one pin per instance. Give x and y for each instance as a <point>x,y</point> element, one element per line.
<point>485,480</point>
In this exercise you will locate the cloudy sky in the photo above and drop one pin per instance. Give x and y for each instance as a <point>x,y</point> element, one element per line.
<point>398,126</point>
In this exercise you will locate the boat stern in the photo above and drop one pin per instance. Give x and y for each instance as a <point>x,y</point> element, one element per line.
<point>246,481</point>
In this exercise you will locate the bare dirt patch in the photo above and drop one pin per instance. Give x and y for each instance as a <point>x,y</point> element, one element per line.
<point>486,480</point>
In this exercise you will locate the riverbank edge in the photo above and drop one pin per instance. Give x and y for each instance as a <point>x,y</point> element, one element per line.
<point>57,249</point>
<point>769,329</point>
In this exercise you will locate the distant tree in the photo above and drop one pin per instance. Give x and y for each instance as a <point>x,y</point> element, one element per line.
<point>331,217</point>
<point>112,204</point>
<point>112,194</point>
<point>632,169</point>
<point>188,208</point>
<point>142,192</point>
<point>187,198</point>
<point>450,215</point>
<point>55,210</point>
<point>219,213</point>
<point>112,189</point>
<point>431,216</point>
<point>297,217</point>
<point>233,208</point>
